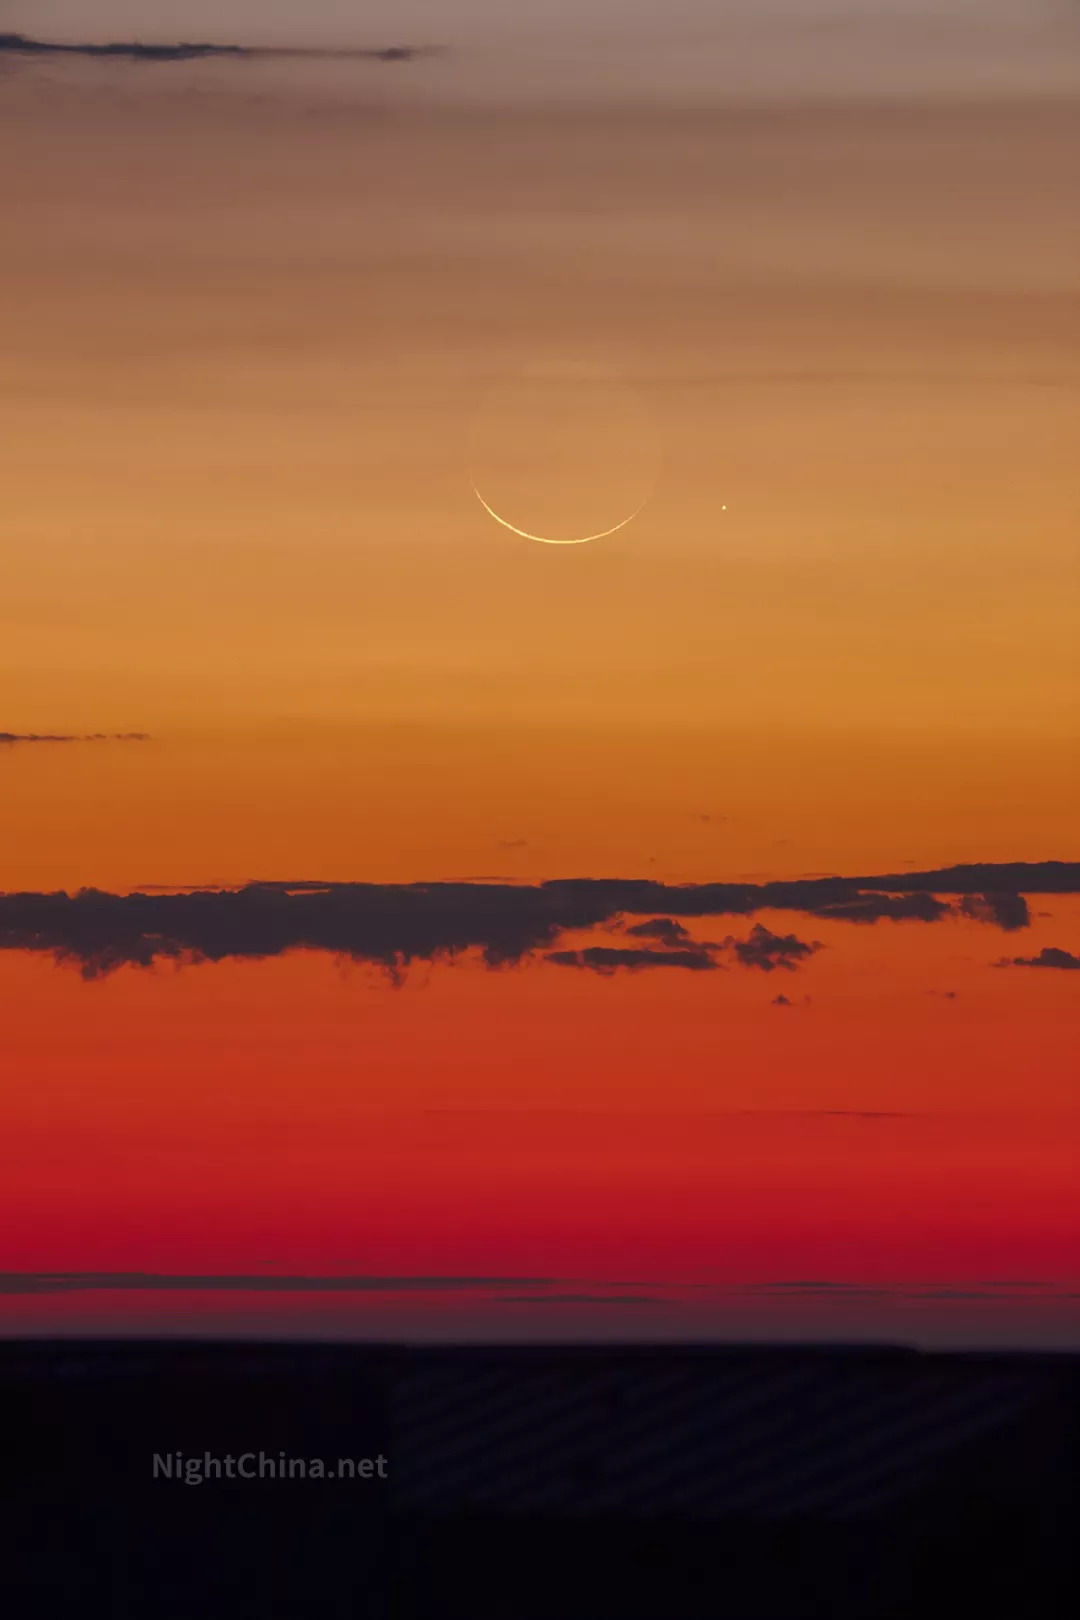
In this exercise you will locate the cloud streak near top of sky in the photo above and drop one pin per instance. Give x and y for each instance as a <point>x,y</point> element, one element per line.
<point>11,739</point>
<point>393,925</point>
<point>18,45</point>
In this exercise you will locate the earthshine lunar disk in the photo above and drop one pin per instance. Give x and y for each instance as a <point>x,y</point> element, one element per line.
<point>546,540</point>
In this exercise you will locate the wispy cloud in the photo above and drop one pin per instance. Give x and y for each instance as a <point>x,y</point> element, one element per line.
<point>10,739</point>
<point>19,45</point>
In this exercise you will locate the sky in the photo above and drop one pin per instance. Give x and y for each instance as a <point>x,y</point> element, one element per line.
<point>279,324</point>
<point>594,51</point>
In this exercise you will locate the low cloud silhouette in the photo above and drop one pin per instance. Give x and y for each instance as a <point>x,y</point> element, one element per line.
<point>761,949</point>
<point>1005,910</point>
<point>766,950</point>
<point>1014,877</point>
<point>871,908</point>
<point>664,929</point>
<point>388,924</point>
<point>1049,957</point>
<point>604,959</point>
<point>393,925</point>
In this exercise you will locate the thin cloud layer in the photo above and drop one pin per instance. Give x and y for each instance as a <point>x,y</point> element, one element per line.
<point>18,45</point>
<point>533,1290</point>
<point>393,925</point>
<point>872,908</point>
<point>72,1282</point>
<point>10,739</point>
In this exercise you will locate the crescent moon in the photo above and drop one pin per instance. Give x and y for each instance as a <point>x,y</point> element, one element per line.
<point>545,540</point>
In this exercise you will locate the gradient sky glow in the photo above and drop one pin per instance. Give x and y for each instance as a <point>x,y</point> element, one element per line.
<point>270,321</point>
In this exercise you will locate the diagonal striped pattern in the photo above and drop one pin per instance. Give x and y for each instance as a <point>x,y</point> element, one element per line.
<point>802,1439</point>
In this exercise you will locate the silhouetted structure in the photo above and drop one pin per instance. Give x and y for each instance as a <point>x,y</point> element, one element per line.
<point>739,1483</point>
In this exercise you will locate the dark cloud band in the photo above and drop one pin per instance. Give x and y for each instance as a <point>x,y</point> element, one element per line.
<point>18,45</point>
<point>395,924</point>
<point>534,1290</point>
<point>1051,956</point>
<point>603,959</point>
<point>72,1282</point>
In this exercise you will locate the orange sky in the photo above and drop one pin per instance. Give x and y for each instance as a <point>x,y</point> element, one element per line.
<point>671,1128</point>
<point>248,384</point>
<point>237,443</point>
<point>236,449</point>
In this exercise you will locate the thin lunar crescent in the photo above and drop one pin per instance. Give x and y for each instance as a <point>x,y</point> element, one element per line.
<point>544,539</point>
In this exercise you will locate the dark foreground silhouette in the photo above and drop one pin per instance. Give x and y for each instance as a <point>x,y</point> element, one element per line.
<point>626,1483</point>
